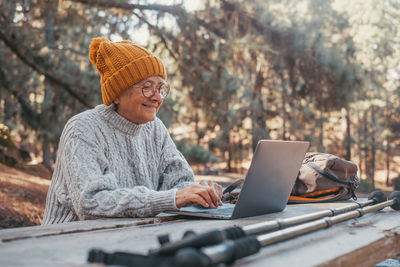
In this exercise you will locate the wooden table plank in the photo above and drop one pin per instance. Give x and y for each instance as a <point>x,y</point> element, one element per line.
<point>12,234</point>
<point>321,247</point>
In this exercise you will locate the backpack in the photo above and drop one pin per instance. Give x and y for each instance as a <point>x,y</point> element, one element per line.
<point>322,177</point>
<point>325,177</point>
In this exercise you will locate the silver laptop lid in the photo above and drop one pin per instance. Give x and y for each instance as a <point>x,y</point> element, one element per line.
<point>270,178</point>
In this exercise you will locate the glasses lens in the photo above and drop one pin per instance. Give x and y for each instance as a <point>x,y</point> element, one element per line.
<point>164,90</point>
<point>147,91</point>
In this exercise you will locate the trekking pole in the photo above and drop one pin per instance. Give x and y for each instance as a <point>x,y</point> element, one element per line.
<point>374,198</point>
<point>218,236</point>
<point>232,250</point>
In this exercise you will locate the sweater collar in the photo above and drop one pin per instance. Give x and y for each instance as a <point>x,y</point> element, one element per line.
<point>117,121</point>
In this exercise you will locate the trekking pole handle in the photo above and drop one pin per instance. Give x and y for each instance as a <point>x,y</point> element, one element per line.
<point>226,252</point>
<point>201,240</point>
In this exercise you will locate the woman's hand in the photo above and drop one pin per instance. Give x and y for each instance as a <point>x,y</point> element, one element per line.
<point>207,193</point>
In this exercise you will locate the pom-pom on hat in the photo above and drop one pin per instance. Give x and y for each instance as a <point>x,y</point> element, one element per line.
<point>122,64</point>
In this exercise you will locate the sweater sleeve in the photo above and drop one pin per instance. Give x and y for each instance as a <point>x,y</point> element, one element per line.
<point>94,190</point>
<point>175,171</point>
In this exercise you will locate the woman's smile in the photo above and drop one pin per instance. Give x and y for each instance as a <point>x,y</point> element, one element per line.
<point>150,107</point>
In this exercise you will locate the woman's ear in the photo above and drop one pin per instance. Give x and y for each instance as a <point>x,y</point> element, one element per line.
<point>116,101</point>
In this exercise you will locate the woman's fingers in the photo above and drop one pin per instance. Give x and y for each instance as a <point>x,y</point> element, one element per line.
<point>218,189</point>
<point>215,192</point>
<point>200,200</point>
<point>192,194</point>
<point>207,194</point>
<point>214,196</point>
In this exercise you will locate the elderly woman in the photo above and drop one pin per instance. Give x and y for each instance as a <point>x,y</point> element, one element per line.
<point>118,160</point>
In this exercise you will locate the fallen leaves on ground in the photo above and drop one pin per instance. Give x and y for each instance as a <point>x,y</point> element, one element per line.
<point>22,196</point>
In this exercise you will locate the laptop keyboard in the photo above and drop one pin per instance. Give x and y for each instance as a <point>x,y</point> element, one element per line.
<point>225,209</point>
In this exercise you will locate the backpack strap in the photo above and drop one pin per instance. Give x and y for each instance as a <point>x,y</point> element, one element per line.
<point>233,186</point>
<point>352,184</point>
<point>326,195</point>
<point>324,192</point>
<point>328,175</point>
<point>228,196</point>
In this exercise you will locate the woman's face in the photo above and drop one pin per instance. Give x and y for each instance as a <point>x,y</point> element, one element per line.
<point>135,107</point>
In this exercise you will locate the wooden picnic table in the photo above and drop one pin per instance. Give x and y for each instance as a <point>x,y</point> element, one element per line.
<point>357,242</point>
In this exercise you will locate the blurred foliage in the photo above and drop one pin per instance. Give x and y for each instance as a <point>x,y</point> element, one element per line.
<point>195,154</point>
<point>365,187</point>
<point>396,183</point>
<point>8,150</point>
<point>5,138</point>
<point>326,71</point>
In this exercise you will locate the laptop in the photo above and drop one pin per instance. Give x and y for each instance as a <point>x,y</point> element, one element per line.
<point>267,185</point>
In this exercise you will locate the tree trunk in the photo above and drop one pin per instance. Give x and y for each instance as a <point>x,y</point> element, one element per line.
<point>321,132</point>
<point>388,111</point>
<point>8,109</point>
<point>348,136</point>
<point>47,155</point>
<point>240,153</point>
<point>373,147</point>
<point>46,121</point>
<point>366,155</point>
<point>359,145</point>
<point>388,158</point>
<point>230,158</point>
<point>229,151</point>
<point>196,128</point>
<point>294,104</point>
<point>258,117</point>
<point>283,110</point>
<point>50,42</point>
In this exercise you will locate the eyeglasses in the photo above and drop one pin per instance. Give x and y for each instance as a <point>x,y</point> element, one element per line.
<point>149,89</point>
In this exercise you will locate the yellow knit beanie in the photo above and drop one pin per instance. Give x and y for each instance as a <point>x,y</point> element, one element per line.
<point>122,64</point>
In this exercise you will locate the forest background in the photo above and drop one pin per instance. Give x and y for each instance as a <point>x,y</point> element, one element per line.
<point>326,71</point>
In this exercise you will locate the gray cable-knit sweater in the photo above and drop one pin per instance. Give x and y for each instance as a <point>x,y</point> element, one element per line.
<point>109,167</point>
